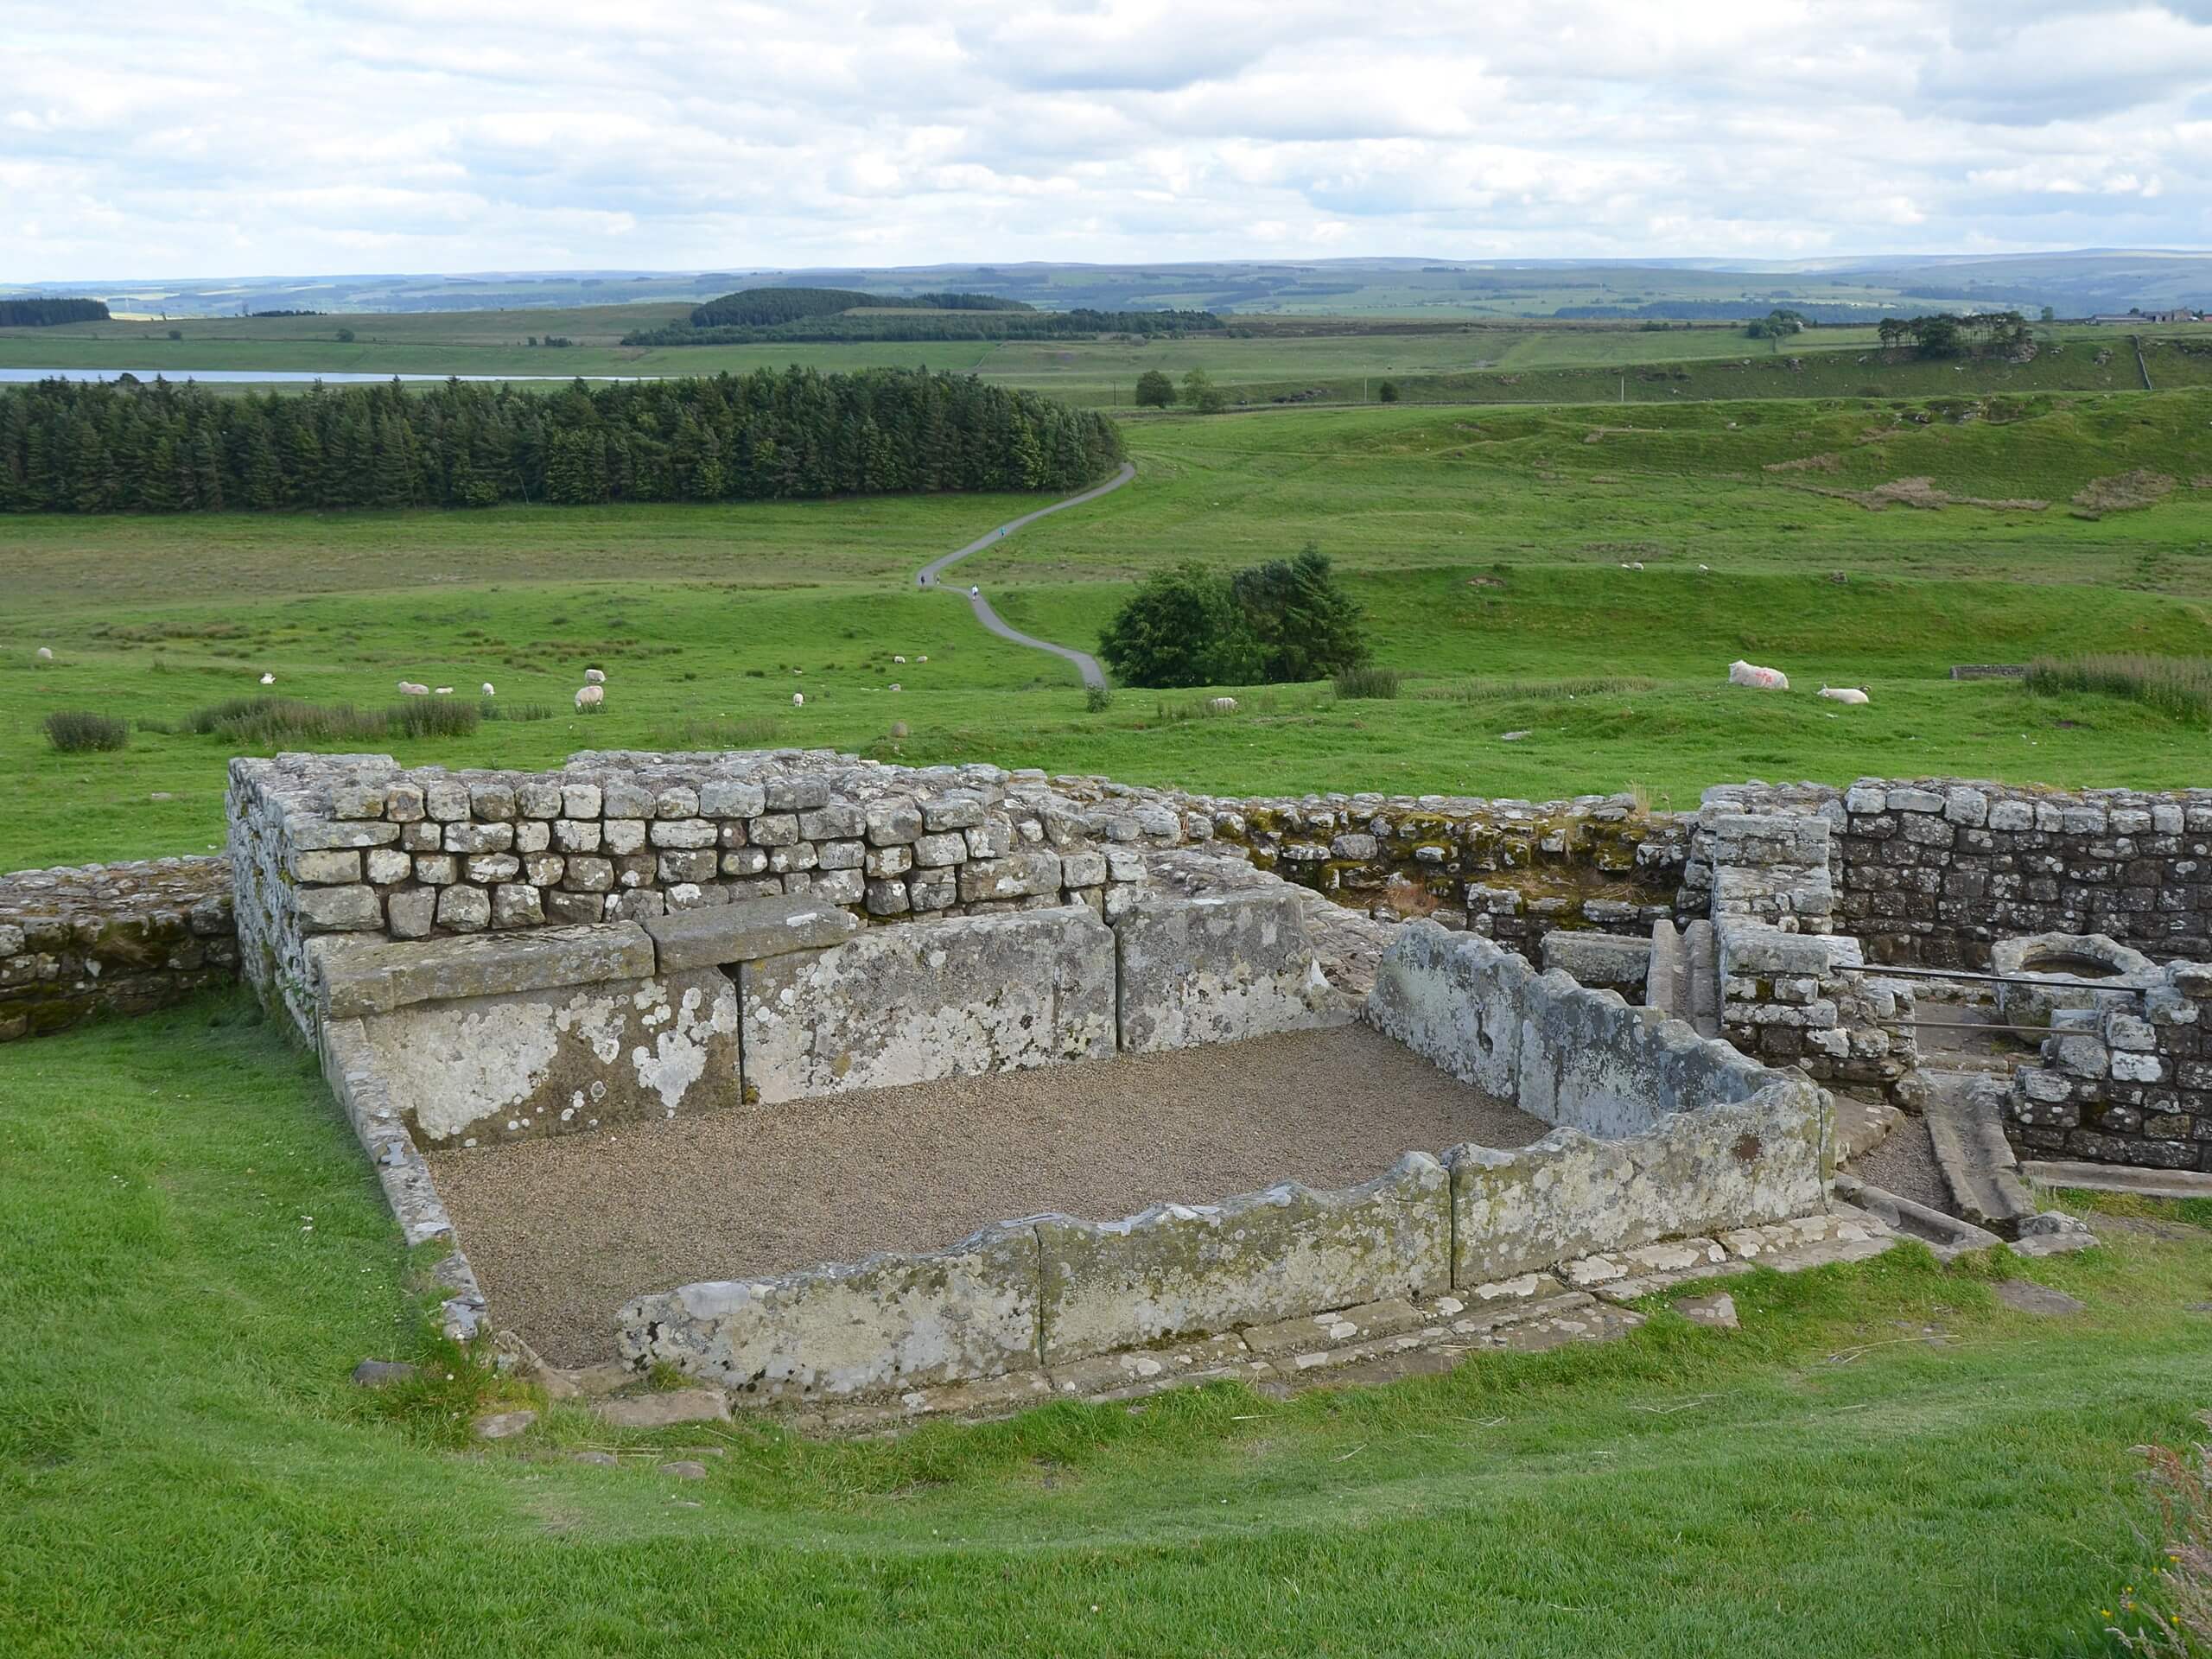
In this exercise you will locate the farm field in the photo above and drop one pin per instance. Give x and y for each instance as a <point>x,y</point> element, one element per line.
<point>1258,361</point>
<point>1842,541</point>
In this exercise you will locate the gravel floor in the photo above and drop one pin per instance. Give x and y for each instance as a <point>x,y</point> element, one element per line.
<point>1904,1163</point>
<point>562,1232</point>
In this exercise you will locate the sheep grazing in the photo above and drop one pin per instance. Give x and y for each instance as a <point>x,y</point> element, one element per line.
<point>798,699</point>
<point>443,691</point>
<point>589,697</point>
<point>487,688</point>
<point>269,679</point>
<point>1759,679</point>
<point>898,659</point>
<point>921,659</point>
<point>45,654</point>
<point>895,686</point>
<point>410,689</point>
<point>1843,693</point>
<point>595,676</point>
<point>1221,705</point>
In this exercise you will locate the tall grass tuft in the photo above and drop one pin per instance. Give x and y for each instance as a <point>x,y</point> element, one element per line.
<point>493,709</point>
<point>433,717</point>
<point>2178,686</point>
<point>76,731</point>
<point>259,722</point>
<point>1371,683</point>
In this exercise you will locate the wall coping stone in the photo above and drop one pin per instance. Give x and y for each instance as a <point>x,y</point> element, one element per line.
<point>748,930</point>
<point>364,976</point>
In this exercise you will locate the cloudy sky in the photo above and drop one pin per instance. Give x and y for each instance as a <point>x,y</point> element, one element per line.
<point>266,136</point>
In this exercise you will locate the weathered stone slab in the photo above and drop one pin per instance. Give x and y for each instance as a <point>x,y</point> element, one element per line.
<point>954,998</point>
<point>497,1068</point>
<point>360,977</point>
<point>749,931</point>
<point>665,1409</point>
<point>884,1324</point>
<point>1218,970</point>
<point>1571,1196</point>
<point>1256,1259</point>
<point>1609,961</point>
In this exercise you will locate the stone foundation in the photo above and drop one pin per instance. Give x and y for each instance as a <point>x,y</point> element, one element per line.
<point>113,938</point>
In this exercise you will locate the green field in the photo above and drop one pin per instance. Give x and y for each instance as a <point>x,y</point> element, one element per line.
<point>1258,361</point>
<point>1488,547</point>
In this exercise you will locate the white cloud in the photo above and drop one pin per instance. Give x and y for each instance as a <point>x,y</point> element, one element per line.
<point>455,134</point>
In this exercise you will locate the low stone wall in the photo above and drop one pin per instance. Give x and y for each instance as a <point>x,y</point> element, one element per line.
<point>1697,1140</point>
<point>1933,871</point>
<point>2129,1082</point>
<point>117,938</point>
<point>1790,999</point>
<point>356,844</point>
<point>1508,869</point>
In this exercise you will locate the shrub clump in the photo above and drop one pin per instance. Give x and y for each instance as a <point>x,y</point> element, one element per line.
<point>1368,682</point>
<point>2178,686</point>
<point>76,731</point>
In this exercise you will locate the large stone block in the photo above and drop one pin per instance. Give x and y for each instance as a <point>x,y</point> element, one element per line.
<point>1610,961</point>
<point>497,1068</point>
<point>940,999</point>
<point>747,931</point>
<point>1218,970</point>
<point>364,977</point>
<point>887,1322</point>
<point>1256,1259</point>
<point>1570,1195</point>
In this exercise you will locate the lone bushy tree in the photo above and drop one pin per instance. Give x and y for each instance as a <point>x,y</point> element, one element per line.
<point>1182,628</point>
<point>1286,619</point>
<point>1307,626</point>
<point>1154,389</point>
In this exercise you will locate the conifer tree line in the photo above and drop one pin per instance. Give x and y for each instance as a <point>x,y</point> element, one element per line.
<point>167,447</point>
<point>43,311</point>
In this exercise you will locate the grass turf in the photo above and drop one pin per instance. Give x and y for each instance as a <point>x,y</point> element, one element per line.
<point>193,1254</point>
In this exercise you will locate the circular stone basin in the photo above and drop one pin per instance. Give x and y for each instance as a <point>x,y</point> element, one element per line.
<point>2052,961</point>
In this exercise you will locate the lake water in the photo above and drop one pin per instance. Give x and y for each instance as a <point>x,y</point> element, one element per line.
<point>281,376</point>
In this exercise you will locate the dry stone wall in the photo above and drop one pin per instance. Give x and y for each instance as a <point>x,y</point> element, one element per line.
<point>2127,1082</point>
<point>119,938</point>
<point>357,845</point>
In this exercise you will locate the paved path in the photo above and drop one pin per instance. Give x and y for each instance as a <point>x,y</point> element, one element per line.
<point>1085,663</point>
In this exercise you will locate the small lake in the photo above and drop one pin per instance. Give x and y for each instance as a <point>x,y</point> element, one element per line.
<point>278,377</point>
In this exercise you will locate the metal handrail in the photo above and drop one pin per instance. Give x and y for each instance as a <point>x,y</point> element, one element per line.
<point>2110,986</point>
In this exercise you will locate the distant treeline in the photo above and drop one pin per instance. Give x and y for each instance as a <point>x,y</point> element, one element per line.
<point>38,312</point>
<point>164,447</point>
<point>795,315</point>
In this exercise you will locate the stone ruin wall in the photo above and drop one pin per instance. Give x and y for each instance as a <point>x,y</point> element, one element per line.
<point>119,938</point>
<point>1931,872</point>
<point>357,845</point>
<point>2128,1081</point>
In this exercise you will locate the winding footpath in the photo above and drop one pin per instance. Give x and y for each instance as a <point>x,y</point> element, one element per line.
<point>1085,663</point>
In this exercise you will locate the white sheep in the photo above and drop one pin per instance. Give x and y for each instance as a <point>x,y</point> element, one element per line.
<point>45,654</point>
<point>1759,679</point>
<point>921,659</point>
<point>410,689</point>
<point>1222,705</point>
<point>443,691</point>
<point>487,688</point>
<point>798,699</point>
<point>595,676</point>
<point>269,679</point>
<point>895,686</point>
<point>589,696</point>
<point>1843,693</point>
<point>898,659</point>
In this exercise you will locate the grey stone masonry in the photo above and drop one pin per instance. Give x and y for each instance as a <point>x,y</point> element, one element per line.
<point>1794,999</point>
<point>2127,1082</point>
<point>1934,871</point>
<point>358,847</point>
<point>118,938</point>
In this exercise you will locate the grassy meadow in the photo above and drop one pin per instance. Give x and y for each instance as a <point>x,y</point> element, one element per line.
<point>1843,541</point>
<point>193,1255</point>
